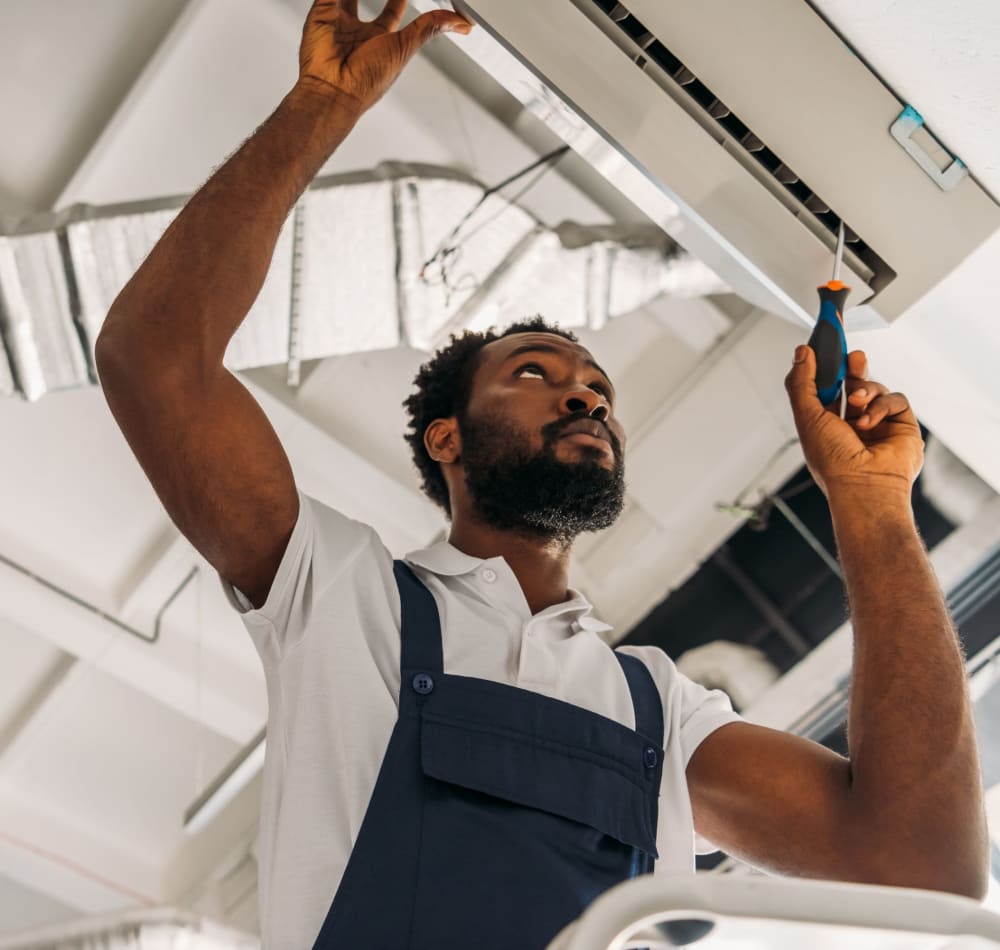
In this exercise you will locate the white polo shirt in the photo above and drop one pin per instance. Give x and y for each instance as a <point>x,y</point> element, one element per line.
<point>328,637</point>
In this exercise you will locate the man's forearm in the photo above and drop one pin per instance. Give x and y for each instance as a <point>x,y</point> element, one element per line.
<point>189,297</point>
<point>916,787</point>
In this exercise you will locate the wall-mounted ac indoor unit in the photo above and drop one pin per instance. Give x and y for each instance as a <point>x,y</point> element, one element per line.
<point>747,130</point>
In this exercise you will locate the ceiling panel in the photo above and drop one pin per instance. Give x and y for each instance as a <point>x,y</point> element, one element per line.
<point>22,908</point>
<point>80,512</point>
<point>45,61</point>
<point>27,662</point>
<point>122,764</point>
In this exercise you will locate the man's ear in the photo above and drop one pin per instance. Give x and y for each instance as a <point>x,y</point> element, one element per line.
<point>443,441</point>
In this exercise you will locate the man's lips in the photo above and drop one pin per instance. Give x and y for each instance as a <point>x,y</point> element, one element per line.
<point>591,427</point>
<point>590,432</point>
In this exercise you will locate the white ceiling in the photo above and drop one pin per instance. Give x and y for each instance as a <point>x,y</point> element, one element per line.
<point>104,739</point>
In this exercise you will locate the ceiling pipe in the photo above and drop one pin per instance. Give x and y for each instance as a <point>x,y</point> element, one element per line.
<point>66,595</point>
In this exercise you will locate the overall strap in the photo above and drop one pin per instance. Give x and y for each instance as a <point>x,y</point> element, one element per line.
<point>645,697</point>
<point>421,625</point>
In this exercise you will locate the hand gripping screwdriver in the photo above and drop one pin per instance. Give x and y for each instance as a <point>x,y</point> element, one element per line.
<point>828,339</point>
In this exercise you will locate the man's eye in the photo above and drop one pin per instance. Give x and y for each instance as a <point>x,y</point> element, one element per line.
<point>533,367</point>
<point>602,389</point>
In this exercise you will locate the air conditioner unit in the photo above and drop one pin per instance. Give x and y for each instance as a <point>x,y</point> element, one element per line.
<point>748,131</point>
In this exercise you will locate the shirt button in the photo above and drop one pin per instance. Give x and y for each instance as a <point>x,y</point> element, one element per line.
<point>649,757</point>
<point>489,575</point>
<point>423,683</point>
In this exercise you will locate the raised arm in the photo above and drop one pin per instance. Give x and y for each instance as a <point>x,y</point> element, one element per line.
<point>907,808</point>
<point>206,446</point>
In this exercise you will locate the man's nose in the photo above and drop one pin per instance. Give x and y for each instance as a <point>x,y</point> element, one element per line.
<point>586,400</point>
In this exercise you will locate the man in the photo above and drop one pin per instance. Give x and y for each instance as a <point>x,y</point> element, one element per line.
<point>454,755</point>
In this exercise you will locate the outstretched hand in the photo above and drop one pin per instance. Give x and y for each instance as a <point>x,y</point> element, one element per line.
<point>357,62</point>
<point>877,445</point>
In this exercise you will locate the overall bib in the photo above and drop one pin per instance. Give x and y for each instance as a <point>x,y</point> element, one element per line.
<point>499,814</point>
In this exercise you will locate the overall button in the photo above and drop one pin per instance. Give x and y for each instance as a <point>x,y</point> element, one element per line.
<point>489,575</point>
<point>423,683</point>
<point>650,758</point>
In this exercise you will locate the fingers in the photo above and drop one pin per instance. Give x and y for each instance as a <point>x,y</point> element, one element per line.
<point>870,403</point>
<point>890,405</point>
<point>860,393</point>
<point>857,364</point>
<point>800,384</point>
<point>429,25</point>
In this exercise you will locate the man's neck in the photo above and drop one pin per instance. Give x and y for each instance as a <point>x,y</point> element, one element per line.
<point>540,566</point>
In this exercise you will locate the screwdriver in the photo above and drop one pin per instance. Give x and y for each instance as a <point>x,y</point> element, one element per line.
<point>828,340</point>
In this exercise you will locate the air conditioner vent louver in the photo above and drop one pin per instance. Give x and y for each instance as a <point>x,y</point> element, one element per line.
<point>652,52</point>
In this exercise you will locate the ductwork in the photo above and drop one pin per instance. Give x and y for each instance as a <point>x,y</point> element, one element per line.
<point>366,261</point>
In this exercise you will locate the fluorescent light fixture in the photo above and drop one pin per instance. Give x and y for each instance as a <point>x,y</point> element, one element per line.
<point>231,781</point>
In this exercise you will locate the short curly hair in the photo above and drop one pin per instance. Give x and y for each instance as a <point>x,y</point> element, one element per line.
<point>443,385</point>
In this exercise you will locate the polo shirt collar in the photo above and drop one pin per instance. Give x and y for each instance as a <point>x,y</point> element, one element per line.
<point>445,560</point>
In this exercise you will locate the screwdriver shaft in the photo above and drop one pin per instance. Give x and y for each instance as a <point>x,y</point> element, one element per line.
<point>839,256</point>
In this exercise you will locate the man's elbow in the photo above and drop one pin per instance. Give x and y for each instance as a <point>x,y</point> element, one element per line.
<point>924,850</point>
<point>111,353</point>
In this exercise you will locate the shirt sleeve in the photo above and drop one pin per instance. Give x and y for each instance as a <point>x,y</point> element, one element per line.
<point>702,711</point>
<point>691,713</point>
<point>324,543</point>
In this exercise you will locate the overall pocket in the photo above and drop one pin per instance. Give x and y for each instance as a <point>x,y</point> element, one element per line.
<point>532,809</point>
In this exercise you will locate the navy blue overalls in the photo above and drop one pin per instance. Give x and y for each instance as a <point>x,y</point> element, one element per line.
<point>499,814</point>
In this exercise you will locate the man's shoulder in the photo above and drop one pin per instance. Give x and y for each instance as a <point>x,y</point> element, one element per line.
<point>340,542</point>
<point>329,520</point>
<point>653,657</point>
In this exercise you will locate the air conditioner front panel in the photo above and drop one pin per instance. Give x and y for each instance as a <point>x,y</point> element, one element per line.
<point>567,66</point>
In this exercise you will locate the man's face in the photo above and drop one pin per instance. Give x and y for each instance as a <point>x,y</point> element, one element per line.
<point>526,469</point>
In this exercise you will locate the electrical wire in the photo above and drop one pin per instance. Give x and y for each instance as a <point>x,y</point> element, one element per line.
<point>460,122</point>
<point>449,251</point>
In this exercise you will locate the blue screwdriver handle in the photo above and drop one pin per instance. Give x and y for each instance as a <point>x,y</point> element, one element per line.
<point>829,342</point>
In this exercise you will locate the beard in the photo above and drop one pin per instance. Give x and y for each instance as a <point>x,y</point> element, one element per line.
<point>535,493</point>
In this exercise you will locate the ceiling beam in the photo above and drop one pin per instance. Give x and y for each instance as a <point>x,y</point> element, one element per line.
<point>19,727</point>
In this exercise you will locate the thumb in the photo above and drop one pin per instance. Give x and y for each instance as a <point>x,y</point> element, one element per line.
<point>800,384</point>
<point>429,25</point>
